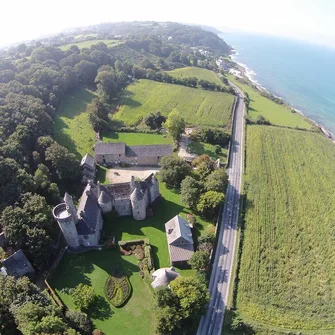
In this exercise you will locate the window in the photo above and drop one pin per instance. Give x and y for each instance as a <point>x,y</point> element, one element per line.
<point>138,213</point>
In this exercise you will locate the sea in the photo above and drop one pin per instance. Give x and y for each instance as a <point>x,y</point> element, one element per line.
<point>301,73</point>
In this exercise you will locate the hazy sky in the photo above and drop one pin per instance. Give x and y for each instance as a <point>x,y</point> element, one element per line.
<point>308,19</point>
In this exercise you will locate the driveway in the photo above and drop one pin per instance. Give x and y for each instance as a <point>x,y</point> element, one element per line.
<point>123,175</point>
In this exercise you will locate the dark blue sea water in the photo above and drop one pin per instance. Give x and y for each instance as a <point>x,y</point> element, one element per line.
<point>302,74</point>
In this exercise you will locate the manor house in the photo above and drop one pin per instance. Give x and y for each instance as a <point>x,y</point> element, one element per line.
<point>82,226</point>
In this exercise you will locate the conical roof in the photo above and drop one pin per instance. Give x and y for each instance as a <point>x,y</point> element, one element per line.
<point>136,195</point>
<point>104,198</point>
<point>164,276</point>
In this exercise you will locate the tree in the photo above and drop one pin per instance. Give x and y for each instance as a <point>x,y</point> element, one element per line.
<point>42,176</point>
<point>199,261</point>
<point>192,294</point>
<point>98,115</point>
<point>165,297</point>
<point>173,171</point>
<point>190,190</point>
<point>217,181</point>
<point>209,204</point>
<point>204,166</point>
<point>106,85</point>
<point>83,296</point>
<point>175,124</point>
<point>154,120</point>
<point>65,163</point>
<point>79,321</point>
<point>86,71</point>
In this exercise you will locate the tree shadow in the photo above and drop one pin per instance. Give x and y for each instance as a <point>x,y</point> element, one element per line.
<point>100,309</point>
<point>131,102</point>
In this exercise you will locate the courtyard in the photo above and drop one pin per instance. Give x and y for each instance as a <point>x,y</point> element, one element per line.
<point>123,175</point>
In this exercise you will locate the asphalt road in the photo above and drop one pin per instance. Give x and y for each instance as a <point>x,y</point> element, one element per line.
<point>211,323</point>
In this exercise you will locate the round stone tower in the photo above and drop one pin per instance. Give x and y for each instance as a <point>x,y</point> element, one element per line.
<point>66,216</point>
<point>138,205</point>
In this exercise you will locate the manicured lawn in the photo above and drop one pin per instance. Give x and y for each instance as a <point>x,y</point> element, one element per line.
<point>89,43</point>
<point>137,138</point>
<point>200,73</point>
<point>92,268</point>
<point>287,268</point>
<point>277,114</point>
<point>71,128</point>
<point>197,106</point>
<point>201,148</point>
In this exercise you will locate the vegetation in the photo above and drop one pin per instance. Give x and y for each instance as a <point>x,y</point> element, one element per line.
<point>200,261</point>
<point>209,204</point>
<point>118,289</point>
<point>287,259</point>
<point>199,73</point>
<point>202,148</point>
<point>196,106</point>
<point>89,43</point>
<point>83,296</point>
<point>276,114</point>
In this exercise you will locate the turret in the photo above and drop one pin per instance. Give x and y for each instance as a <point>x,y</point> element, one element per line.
<point>154,189</point>
<point>67,221</point>
<point>138,205</point>
<point>72,209</point>
<point>132,184</point>
<point>105,202</point>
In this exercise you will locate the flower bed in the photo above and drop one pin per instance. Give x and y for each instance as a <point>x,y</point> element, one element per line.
<point>118,290</point>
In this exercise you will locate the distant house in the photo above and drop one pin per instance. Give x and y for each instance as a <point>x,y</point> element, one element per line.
<point>87,166</point>
<point>141,155</point>
<point>180,240</point>
<point>163,276</point>
<point>17,265</point>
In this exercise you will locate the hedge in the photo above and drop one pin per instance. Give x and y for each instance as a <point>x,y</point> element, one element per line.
<point>118,290</point>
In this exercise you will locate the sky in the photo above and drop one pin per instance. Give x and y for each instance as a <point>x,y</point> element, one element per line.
<point>310,20</point>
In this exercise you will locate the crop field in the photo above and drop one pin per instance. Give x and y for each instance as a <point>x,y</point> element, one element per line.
<point>277,114</point>
<point>286,278</point>
<point>89,43</point>
<point>200,73</point>
<point>72,128</point>
<point>197,107</point>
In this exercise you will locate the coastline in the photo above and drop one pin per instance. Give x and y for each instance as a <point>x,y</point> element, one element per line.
<point>247,73</point>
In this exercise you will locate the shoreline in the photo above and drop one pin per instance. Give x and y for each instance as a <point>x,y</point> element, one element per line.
<point>247,73</point>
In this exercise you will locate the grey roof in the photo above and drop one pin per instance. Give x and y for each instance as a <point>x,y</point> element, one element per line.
<point>163,276</point>
<point>149,150</point>
<point>17,265</point>
<point>101,148</point>
<point>178,228</point>
<point>117,191</point>
<point>104,198</point>
<point>137,194</point>
<point>88,211</point>
<point>180,241</point>
<point>88,160</point>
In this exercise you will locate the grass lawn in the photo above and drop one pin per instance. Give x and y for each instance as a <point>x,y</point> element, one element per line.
<point>200,73</point>
<point>93,268</point>
<point>71,127</point>
<point>137,138</point>
<point>277,114</point>
<point>287,268</point>
<point>201,148</point>
<point>197,106</point>
<point>89,43</point>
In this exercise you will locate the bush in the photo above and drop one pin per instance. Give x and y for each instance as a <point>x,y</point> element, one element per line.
<point>79,321</point>
<point>83,296</point>
<point>117,290</point>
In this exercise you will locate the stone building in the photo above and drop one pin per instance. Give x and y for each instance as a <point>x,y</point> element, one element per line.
<point>141,155</point>
<point>82,226</point>
<point>180,240</point>
<point>17,265</point>
<point>88,168</point>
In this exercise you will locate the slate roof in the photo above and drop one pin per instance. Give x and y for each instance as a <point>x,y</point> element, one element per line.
<point>137,194</point>
<point>101,148</point>
<point>17,265</point>
<point>104,198</point>
<point>163,276</point>
<point>180,241</point>
<point>149,150</point>
<point>88,211</point>
<point>88,160</point>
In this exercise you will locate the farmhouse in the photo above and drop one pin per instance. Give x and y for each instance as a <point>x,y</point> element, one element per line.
<point>180,240</point>
<point>17,265</point>
<point>82,226</point>
<point>141,155</point>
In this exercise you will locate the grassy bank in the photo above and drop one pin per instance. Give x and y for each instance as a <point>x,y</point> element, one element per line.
<point>287,264</point>
<point>197,106</point>
<point>279,115</point>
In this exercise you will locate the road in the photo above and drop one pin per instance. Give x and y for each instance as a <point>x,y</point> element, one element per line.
<point>211,323</point>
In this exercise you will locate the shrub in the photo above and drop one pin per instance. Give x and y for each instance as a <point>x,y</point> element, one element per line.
<point>83,296</point>
<point>79,321</point>
<point>117,290</point>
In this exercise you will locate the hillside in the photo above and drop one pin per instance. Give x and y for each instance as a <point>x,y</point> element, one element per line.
<point>197,106</point>
<point>286,277</point>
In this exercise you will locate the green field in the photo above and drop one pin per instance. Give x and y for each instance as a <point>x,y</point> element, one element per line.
<point>202,148</point>
<point>197,107</point>
<point>137,138</point>
<point>277,114</point>
<point>89,43</point>
<point>287,269</point>
<point>71,127</point>
<point>200,73</point>
<point>137,316</point>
